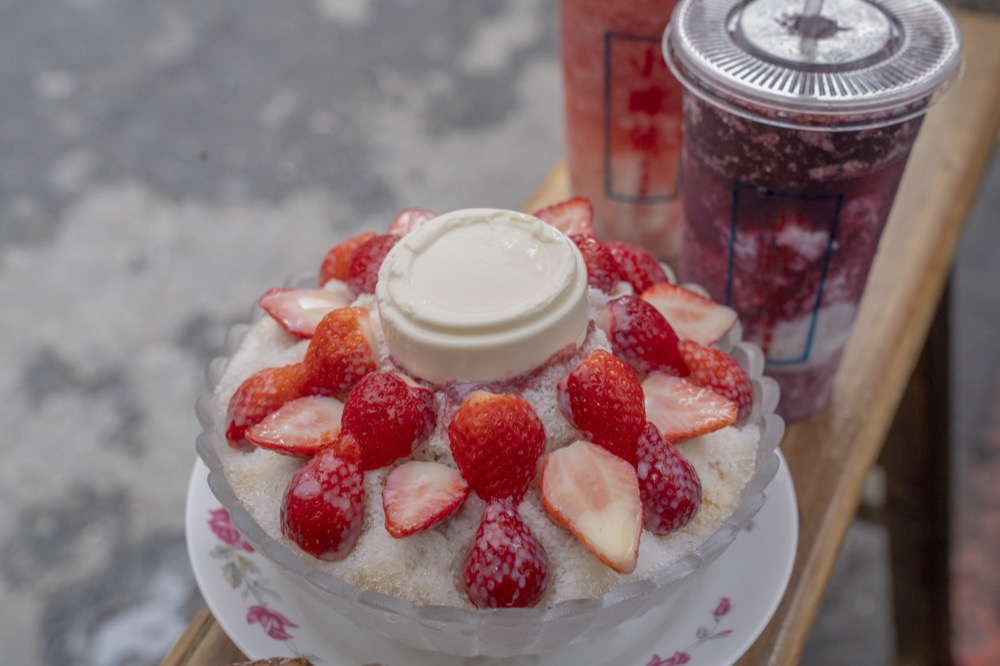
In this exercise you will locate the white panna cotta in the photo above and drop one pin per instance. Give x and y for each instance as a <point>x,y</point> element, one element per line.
<point>481,294</point>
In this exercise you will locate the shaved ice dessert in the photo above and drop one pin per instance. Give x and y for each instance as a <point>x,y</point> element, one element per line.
<point>487,432</point>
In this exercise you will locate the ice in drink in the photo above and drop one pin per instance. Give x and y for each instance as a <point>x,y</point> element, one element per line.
<point>794,147</point>
<point>623,119</point>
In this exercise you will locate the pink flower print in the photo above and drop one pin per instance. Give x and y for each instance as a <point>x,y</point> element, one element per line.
<point>223,528</point>
<point>722,608</point>
<point>675,659</point>
<point>273,622</point>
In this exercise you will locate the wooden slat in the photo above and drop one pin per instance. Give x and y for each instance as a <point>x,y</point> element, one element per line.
<point>830,453</point>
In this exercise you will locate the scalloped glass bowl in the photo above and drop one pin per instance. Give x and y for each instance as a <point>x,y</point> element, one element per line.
<point>501,632</point>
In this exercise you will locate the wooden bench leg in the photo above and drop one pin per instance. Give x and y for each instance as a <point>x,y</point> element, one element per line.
<point>916,462</point>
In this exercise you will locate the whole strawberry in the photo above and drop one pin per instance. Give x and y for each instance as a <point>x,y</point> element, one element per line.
<point>720,372</point>
<point>602,269</point>
<point>641,336</point>
<point>409,219</point>
<point>388,417</point>
<point>340,352</point>
<point>260,394</point>
<point>323,507</point>
<point>337,262</point>
<point>638,267</point>
<point>668,484</point>
<point>496,441</point>
<point>362,275</point>
<point>506,566</point>
<point>602,398</point>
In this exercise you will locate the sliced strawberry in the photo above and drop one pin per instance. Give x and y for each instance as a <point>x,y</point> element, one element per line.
<point>363,272</point>
<point>337,262</point>
<point>260,394</point>
<point>668,484</point>
<point>602,398</point>
<point>506,567</point>
<point>410,219</point>
<point>300,427</point>
<point>638,267</point>
<point>496,441</point>
<point>389,417</point>
<point>602,269</point>
<point>595,495</point>
<point>323,507</point>
<point>420,494</point>
<point>299,311</point>
<point>693,317</point>
<point>720,372</point>
<point>641,336</point>
<point>573,216</point>
<point>682,409</point>
<point>340,352</point>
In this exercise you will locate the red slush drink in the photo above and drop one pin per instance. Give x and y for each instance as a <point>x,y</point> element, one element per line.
<point>623,119</point>
<point>797,130</point>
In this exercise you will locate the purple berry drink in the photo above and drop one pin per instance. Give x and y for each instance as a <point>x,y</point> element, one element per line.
<point>792,157</point>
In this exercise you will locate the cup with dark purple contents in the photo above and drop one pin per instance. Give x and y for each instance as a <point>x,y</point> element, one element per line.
<point>798,122</point>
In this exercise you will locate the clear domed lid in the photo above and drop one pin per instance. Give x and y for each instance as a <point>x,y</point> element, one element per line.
<point>834,63</point>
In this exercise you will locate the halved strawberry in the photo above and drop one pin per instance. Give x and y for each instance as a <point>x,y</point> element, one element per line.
<point>641,336</point>
<point>668,484</point>
<point>337,262</point>
<point>637,266</point>
<point>410,219</point>
<point>506,566</point>
<point>682,409</point>
<point>602,398</point>
<point>420,494</point>
<point>299,311</point>
<point>362,275</point>
<point>389,417</point>
<point>323,507</point>
<point>595,495</point>
<point>693,317</point>
<point>260,394</point>
<point>602,269</point>
<point>340,352</point>
<point>300,427</point>
<point>496,441</point>
<point>572,216</point>
<point>720,372</point>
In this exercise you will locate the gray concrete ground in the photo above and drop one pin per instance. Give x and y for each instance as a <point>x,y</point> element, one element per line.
<point>163,162</point>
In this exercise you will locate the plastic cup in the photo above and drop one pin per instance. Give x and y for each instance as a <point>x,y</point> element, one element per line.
<point>797,130</point>
<point>623,119</point>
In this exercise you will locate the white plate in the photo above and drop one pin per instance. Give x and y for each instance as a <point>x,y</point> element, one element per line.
<point>712,620</point>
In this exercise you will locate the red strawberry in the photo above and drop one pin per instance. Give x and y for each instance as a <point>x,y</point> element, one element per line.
<point>720,372</point>
<point>340,352</point>
<point>323,507</point>
<point>602,269</point>
<point>496,441</point>
<point>363,272</point>
<point>389,417</point>
<point>337,262</point>
<point>693,317</point>
<point>420,494</point>
<point>668,484</point>
<point>410,219</point>
<point>681,409</point>
<point>300,427</point>
<point>595,495</point>
<point>261,394</point>
<point>602,398</point>
<point>641,337</point>
<point>638,267</point>
<point>573,216</point>
<point>506,566</point>
<point>299,311</point>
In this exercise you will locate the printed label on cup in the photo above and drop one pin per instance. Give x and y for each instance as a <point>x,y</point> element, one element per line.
<point>642,111</point>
